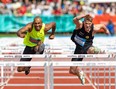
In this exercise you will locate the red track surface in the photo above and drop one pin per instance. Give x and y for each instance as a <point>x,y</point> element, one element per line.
<point>36,76</point>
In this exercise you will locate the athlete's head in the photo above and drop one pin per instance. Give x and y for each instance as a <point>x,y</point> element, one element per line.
<point>37,23</point>
<point>88,22</point>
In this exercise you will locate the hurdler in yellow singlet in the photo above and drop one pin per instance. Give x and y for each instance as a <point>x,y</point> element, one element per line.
<point>34,39</point>
<point>36,35</point>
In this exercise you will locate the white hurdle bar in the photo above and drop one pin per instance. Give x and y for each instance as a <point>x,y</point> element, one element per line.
<point>58,56</point>
<point>58,63</point>
<point>84,63</point>
<point>51,50</point>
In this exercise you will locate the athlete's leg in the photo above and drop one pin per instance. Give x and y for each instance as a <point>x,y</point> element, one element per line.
<point>40,51</point>
<point>94,50</point>
<point>74,69</point>
<point>78,71</point>
<point>27,50</point>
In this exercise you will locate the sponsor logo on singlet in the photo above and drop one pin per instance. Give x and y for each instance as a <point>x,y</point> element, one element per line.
<point>34,40</point>
<point>79,40</point>
<point>87,37</point>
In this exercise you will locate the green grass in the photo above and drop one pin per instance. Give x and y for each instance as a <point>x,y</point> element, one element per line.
<point>57,34</point>
<point>14,34</point>
<point>8,35</point>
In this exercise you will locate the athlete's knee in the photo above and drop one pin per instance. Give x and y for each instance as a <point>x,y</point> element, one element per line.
<point>72,69</point>
<point>90,50</point>
<point>20,69</point>
<point>94,50</point>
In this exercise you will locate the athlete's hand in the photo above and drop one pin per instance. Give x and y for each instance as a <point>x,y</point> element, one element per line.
<point>21,35</point>
<point>88,15</point>
<point>36,48</point>
<point>51,36</point>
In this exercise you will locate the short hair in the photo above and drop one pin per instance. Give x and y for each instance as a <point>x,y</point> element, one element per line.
<point>88,17</point>
<point>37,17</point>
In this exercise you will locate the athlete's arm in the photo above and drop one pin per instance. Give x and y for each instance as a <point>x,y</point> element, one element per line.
<point>21,32</point>
<point>77,21</point>
<point>52,26</point>
<point>37,46</point>
<point>97,27</point>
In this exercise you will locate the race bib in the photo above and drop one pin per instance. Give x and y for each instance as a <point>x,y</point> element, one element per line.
<point>79,40</point>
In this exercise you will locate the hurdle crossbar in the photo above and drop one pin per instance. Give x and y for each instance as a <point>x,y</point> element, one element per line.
<point>58,56</point>
<point>59,63</point>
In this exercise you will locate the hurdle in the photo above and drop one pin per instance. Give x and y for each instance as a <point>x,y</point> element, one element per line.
<point>61,50</point>
<point>84,64</point>
<point>10,56</point>
<point>49,65</point>
<point>12,64</point>
<point>53,64</point>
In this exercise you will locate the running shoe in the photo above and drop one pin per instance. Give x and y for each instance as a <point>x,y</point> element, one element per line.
<point>82,77</point>
<point>27,71</point>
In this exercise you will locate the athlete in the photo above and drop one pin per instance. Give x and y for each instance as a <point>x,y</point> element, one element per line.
<point>34,35</point>
<point>83,36</point>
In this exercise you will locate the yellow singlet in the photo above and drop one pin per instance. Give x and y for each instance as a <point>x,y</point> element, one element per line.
<point>35,36</point>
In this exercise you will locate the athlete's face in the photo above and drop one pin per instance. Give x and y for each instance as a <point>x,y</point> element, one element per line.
<point>37,24</point>
<point>87,25</point>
